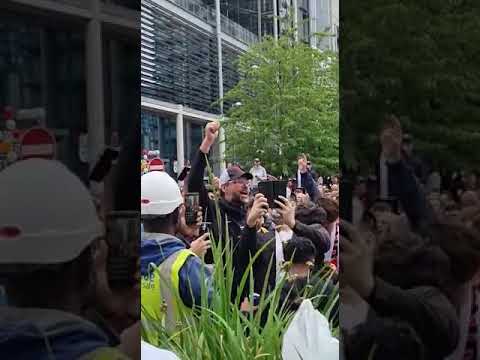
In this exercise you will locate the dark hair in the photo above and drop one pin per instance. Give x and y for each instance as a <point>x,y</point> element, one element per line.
<point>331,207</point>
<point>461,244</point>
<point>299,250</point>
<point>311,215</point>
<point>156,223</point>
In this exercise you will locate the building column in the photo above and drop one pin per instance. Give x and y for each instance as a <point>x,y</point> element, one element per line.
<point>188,136</point>
<point>313,22</point>
<point>180,145</point>
<point>219,52</point>
<point>275,20</point>
<point>221,149</point>
<point>94,84</point>
<point>295,18</point>
<point>259,19</point>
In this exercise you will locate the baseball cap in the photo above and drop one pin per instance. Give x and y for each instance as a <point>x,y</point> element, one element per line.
<point>233,173</point>
<point>407,138</point>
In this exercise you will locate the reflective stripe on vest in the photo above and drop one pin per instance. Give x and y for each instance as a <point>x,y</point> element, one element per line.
<point>161,301</point>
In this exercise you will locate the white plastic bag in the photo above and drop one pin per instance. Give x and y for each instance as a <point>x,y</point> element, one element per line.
<point>150,352</point>
<point>308,337</point>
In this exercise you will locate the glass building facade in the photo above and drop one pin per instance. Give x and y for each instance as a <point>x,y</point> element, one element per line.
<point>44,66</point>
<point>180,62</point>
<point>180,67</point>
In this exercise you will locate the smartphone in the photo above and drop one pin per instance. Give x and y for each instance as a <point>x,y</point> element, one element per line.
<point>272,190</point>
<point>279,189</point>
<point>103,165</point>
<point>266,188</point>
<point>192,204</point>
<point>122,237</point>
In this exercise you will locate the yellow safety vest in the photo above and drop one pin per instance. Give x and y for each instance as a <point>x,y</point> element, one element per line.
<point>162,306</point>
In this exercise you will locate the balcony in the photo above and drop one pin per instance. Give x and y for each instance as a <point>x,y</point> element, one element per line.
<point>207,14</point>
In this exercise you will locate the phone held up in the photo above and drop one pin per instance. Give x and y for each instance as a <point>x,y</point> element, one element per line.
<point>122,234</point>
<point>192,205</point>
<point>272,190</point>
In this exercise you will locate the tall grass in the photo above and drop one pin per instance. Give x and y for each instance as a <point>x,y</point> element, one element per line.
<point>220,330</point>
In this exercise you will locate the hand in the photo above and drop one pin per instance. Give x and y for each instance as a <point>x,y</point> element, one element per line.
<point>211,134</point>
<point>246,307</point>
<point>190,231</point>
<point>201,245</point>
<point>259,209</point>
<point>356,257</point>
<point>287,211</point>
<point>119,307</point>
<point>302,198</point>
<point>391,140</point>
<point>302,166</point>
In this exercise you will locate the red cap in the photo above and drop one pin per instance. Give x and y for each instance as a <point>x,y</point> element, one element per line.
<point>156,164</point>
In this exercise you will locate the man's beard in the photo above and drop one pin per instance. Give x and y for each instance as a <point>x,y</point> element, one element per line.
<point>239,198</point>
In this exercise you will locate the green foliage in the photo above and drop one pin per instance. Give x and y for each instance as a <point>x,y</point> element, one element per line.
<point>286,103</point>
<point>419,60</point>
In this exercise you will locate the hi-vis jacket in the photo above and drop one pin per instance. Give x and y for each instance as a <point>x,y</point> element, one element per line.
<point>174,287</point>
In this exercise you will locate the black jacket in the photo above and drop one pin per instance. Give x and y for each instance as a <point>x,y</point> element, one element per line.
<point>309,184</point>
<point>316,233</point>
<point>410,300</point>
<point>242,238</point>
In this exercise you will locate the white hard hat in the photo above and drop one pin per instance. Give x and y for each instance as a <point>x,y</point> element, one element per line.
<point>160,194</point>
<point>47,216</point>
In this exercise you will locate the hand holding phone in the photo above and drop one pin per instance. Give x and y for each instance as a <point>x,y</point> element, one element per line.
<point>258,210</point>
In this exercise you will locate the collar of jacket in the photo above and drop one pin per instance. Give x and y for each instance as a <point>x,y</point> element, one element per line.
<point>233,211</point>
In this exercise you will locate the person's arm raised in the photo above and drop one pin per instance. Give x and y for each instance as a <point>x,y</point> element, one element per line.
<point>195,177</point>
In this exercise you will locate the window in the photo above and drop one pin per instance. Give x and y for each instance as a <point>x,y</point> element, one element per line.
<point>42,66</point>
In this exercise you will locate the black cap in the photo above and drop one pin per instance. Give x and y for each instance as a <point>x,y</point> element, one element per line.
<point>233,173</point>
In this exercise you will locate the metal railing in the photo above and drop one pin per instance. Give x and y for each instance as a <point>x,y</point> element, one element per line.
<point>120,11</point>
<point>207,14</point>
<point>77,3</point>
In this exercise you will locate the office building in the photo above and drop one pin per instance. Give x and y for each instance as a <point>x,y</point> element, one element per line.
<point>75,62</point>
<point>181,68</point>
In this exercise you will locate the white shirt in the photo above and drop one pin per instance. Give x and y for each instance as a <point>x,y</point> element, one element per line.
<point>280,238</point>
<point>258,172</point>
<point>299,178</point>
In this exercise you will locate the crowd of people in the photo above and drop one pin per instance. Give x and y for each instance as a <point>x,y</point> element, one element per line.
<point>410,259</point>
<point>295,235</point>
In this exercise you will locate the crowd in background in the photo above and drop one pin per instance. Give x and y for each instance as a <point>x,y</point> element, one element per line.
<point>410,258</point>
<point>296,234</point>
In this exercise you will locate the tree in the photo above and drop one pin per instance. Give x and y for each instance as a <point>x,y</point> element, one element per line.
<point>418,60</point>
<point>286,103</point>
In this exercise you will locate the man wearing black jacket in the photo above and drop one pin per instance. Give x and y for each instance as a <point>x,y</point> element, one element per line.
<point>235,195</point>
